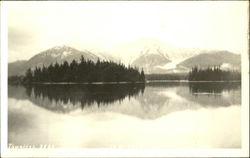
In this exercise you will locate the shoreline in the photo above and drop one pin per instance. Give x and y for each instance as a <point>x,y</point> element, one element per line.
<point>148,81</point>
<point>86,83</point>
<point>187,81</point>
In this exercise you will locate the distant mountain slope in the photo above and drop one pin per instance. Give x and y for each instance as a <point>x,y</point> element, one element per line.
<point>158,57</point>
<point>150,61</point>
<point>224,59</point>
<point>17,68</point>
<point>57,54</point>
<point>129,52</point>
<point>150,54</point>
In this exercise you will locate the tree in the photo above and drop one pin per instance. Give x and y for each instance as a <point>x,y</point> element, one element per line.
<point>85,71</point>
<point>212,74</point>
<point>28,76</point>
<point>142,76</point>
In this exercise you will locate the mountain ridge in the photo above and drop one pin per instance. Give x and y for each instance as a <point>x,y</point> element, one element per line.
<point>180,59</point>
<point>151,55</point>
<point>52,55</point>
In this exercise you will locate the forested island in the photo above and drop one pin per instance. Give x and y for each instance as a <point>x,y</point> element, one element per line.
<point>85,71</point>
<point>213,74</point>
<point>198,74</point>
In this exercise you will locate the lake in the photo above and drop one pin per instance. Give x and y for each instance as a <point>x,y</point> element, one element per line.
<point>151,115</point>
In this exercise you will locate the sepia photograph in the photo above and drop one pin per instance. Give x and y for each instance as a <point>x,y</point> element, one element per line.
<point>129,78</point>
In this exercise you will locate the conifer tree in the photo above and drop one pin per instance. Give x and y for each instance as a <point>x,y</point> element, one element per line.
<point>85,71</point>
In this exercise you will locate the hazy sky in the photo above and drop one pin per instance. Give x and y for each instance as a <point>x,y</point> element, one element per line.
<point>37,26</point>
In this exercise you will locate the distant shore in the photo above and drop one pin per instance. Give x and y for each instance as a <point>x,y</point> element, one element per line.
<point>187,81</point>
<point>148,81</point>
<point>86,83</point>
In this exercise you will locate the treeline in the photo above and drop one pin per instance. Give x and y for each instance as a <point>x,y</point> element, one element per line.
<point>213,74</point>
<point>85,71</point>
<point>172,76</point>
<point>15,80</point>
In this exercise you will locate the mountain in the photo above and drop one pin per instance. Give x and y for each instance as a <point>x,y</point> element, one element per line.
<point>150,54</point>
<point>17,68</point>
<point>158,57</point>
<point>57,54</point>
<point>149,62</point>
<point>130,51</point>
<point>225,59</point>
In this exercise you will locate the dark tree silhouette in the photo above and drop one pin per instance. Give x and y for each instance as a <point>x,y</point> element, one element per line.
<point>85,71</point>
<point>28,76</point>
<point>213,74</point>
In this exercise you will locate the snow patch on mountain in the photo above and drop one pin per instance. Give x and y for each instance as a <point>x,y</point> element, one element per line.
<point>171,65</point>
<point>55,54</point>
<point>226,66</point>
<point>66,53</point>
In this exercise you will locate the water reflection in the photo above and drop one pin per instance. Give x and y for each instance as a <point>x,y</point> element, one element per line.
<point>60,98</point>
<point>165,84</point>
<point>167,115</point>
<point>156,100</point>
<point>212,87</point>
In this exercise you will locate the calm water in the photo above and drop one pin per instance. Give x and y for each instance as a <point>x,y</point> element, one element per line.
<point>154,115</point>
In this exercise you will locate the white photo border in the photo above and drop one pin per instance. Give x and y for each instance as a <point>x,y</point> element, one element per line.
<point>6,152</point>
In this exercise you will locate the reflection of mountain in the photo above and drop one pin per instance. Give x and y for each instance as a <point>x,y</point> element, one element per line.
<point>59,98</point>
<point>157,102</point>
<point>158,99</point>
<point>163,98</point>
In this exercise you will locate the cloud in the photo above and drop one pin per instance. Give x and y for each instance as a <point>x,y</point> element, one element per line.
<point>34,27</point>
<point>18,38</point>
<point>21,43</point>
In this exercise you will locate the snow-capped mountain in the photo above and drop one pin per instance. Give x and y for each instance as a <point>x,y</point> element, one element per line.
<point>129,52</point>
<point>150,54</point>
<point>158,57</point>
<point>57,54</point>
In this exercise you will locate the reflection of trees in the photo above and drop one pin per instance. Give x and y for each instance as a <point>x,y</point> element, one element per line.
<point>212,87</point>
<point>55,97</point>
<point>157,100</point>
<point>213,94</point>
